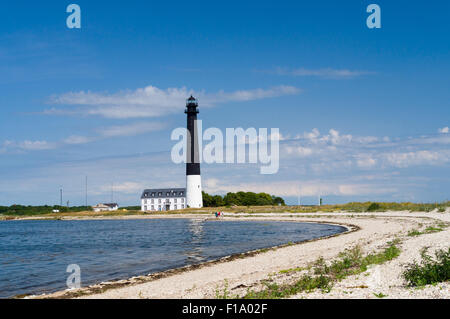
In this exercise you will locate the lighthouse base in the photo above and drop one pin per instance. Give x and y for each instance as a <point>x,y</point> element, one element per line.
<point>194,198</point>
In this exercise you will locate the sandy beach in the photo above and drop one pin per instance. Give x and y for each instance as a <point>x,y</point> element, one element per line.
<point>235,276</point>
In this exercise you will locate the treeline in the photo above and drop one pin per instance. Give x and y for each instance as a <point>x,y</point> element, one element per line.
<point>242,199</point>
<point>20,210</point>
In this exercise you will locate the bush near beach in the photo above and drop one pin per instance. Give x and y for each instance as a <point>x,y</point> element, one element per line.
<point>242,199</point>
<point>20,210</point>
<point>430,270</point>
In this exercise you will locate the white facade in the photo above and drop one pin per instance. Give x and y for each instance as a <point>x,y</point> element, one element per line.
<point>105,207</point>
<point>163,200</point>
<point>194,196</point>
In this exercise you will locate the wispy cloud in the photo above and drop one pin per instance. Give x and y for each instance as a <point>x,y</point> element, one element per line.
<point>28,145</point>
<point>131,129</point>
<point>327,73</point>
<point>333,149</point>
<point>77,139</point>
<point>152,101</point>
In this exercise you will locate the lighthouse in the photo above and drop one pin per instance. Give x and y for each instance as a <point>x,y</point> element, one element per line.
<point>193,179</point>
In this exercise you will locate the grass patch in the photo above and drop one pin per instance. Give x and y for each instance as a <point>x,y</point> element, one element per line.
<point>430,270</point>
<point>225,293</point>
<point>432,229</point>
<point>429,230</point>
<point>305,283</point>
<point>349,262</point>
<point>414,232</point>
<point>291,270</point>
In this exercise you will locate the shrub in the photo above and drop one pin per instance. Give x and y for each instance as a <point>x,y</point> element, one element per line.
<point>373,207</point>
<point>350,262</point>
<point>430,270</point>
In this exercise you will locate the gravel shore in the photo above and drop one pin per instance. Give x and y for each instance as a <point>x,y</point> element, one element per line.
<point>371,231</point>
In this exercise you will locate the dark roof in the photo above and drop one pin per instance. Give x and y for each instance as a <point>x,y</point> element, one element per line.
<point>162,192</point>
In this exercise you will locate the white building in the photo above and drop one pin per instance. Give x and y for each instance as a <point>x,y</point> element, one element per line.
<point>105,207</point>
<point>163,199</point>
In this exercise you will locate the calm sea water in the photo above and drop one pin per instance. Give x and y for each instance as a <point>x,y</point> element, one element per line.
<point>34,255</point>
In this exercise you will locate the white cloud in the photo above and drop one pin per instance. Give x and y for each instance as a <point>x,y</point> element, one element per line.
<point>152,101</point>
<point>336,152</point>
<point>299,151</point>
<point>131,129</point>
<point>366,162</point>
<point>28,145</point>
<point>76,139</point>
<point>421,157</point>
<point>36,145</point>
<point>444,130</point>
<point>328,73</point>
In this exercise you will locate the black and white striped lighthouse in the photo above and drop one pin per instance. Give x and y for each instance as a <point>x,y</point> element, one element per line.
<point>194,197</point>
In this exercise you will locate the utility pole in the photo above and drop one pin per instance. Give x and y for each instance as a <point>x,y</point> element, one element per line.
<point>86,201</point>
<point>112,192</point>
<point>60,196</point>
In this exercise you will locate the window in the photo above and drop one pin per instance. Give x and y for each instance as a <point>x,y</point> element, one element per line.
<point>167,194</point>
<point>153,207</point>
<point>153,194</point>
<point>175,200</point>
<point>181,193</point>
<point>182,200</point>
<point>145,208</point>
<point>175,206</point>
<point>160,194</point>
<point>159,201</point>
<point>159,207</point>
<point>182,206</point>
<point>153,201</point>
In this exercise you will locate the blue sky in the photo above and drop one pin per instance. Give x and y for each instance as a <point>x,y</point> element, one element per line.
<point>363,113</point>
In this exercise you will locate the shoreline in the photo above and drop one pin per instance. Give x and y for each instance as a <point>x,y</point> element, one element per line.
<point>118,283</point>
<point>248,269</point>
